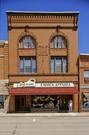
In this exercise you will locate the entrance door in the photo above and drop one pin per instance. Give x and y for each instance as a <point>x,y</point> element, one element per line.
<point>64,103</point>
<point>20,103</point>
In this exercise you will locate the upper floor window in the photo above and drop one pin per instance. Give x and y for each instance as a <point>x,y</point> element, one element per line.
<point>58,64</point>
<point>27,65</point>
<point>27,42</point>
<point>86,74</point>
<point>58,42</point>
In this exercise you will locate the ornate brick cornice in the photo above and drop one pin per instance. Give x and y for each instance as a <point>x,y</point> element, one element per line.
<point>43,18</point>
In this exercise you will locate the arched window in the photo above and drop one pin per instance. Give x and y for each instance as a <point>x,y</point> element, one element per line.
<point>27,42</point>
<point>58,42</point>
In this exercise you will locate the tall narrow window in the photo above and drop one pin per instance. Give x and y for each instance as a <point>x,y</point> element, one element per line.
<point>58,64</point>
<point>52,66</point>
<point>27,42</point>
<point>27,65</point>
<point>58,42</point>
<point>64,61</point>
<point>33,66</point>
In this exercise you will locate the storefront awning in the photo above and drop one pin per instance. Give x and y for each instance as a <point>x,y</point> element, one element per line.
<point>43,91</point>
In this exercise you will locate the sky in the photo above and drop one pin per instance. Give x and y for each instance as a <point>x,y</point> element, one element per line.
<point>50,5</point>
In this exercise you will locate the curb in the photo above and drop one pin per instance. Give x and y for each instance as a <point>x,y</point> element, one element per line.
<point>44,115</point>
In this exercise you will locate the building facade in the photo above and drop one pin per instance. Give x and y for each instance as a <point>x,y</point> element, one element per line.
<point>43,61</point>
<point>84,82</point>
<point>3,74</point>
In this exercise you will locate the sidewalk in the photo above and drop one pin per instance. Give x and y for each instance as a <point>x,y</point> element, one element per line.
<point>83,114</point>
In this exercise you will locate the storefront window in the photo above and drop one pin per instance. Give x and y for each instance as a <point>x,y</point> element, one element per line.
<point>85,100</point>
<point>46,102</point>
<point>52,103</point>
<point>2,98</point>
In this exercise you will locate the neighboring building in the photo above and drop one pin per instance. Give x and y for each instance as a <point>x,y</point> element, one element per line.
<point>3,73</point>
<point>43,61</point>
<point>84,82</point>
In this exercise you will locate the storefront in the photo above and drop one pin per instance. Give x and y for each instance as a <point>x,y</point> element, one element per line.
<point>84,97</point>
<point>3,94</point>
<point>42,103</point>
<point>43,97</point>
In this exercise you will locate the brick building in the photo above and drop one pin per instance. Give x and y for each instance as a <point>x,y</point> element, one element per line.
<point>3,72</point>
<point>84,82</point>
<point>43,61</point>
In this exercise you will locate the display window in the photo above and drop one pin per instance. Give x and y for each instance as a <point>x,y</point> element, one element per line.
<point>2,98</point>
<point>51,103</point>
<point>85,100</point>
<point>44,102</point>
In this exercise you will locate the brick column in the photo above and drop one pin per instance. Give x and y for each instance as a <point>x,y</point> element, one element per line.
<point>12,104</point>
<point>75,100</point>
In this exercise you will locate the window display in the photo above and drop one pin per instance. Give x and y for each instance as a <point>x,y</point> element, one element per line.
<point>51,103</point>
<point>43,101</point>
<point>85,100</point>
<point>2,98</point>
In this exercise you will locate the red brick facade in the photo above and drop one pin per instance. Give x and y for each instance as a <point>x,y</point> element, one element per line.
<point>43,28</point>
<point>84,82</point>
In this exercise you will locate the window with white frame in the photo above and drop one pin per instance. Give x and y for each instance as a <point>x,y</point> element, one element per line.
<point>27,64</point>
<point>58,42</point>
<point>27,42</point>
<point>59,64</point>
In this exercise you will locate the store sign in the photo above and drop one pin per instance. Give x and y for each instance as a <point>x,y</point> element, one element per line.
<point>84,86</point>
<point>54,84</point>
<point>32,83</point>
<point>29,83</point>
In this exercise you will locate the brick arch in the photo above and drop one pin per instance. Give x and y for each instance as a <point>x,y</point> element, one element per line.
<point>26,34</point>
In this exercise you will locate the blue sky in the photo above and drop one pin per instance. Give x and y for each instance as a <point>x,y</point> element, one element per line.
<point>50,5</point>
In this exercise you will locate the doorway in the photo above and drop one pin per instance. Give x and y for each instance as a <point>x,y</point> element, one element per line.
<point>20,103</point>
<point>64,102</point>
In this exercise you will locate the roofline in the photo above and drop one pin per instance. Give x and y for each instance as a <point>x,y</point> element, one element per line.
<point>84,54</point>
<point>42,12</point>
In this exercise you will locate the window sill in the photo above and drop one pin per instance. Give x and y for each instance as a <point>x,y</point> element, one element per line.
<point>58,48</point>
<point>27,73</point>
<point>45,74</point>
<point>26,48</point>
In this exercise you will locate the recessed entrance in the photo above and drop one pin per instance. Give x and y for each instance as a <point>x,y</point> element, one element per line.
<point>20,103</point>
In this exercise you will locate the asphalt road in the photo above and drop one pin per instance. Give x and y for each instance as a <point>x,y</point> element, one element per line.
<point>44,125</point>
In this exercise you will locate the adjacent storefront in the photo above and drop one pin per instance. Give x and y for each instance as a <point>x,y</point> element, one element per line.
<point>84,97</point>
<point>3,94</point>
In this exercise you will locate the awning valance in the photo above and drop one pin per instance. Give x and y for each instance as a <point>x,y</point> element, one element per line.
<point>43,91</point>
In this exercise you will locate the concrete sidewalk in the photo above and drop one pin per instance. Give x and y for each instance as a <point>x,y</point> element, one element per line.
<point>83,114</point>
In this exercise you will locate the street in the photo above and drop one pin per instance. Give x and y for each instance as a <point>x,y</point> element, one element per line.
<point>44,125</point>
